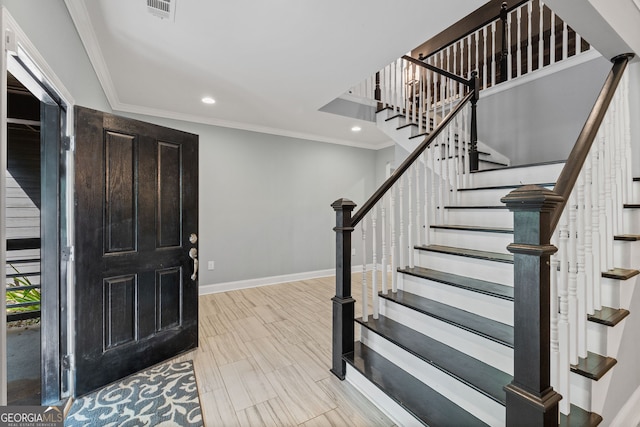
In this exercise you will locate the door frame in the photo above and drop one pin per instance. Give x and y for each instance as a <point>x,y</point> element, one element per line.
<point>17,51</point>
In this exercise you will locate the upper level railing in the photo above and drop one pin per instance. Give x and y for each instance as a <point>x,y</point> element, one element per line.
<point>510,43</point>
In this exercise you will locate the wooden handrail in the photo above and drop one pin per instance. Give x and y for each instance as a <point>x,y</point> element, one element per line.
<point>459,79</point>
<point>573,166</point>
<point>477,19</point>
<point>369,204</point>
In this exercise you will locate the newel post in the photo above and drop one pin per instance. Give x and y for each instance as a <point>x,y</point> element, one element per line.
<point>531,401</point>
<point>343,303</point>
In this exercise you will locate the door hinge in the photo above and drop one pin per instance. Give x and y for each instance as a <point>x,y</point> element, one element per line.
<point>67,362</point>
<point>68,143</point>
<point>66,253</point>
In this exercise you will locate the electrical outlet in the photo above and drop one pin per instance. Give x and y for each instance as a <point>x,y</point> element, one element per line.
<point>210,265</point>
<point>353,252</point>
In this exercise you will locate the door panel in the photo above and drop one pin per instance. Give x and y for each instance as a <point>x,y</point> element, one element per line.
<point>136,206</point>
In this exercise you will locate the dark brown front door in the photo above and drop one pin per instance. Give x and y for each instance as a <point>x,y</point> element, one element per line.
<point>136,295</point>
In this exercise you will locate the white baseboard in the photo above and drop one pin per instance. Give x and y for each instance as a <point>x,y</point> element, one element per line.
<point>263,281</point>
<point>629,414</point>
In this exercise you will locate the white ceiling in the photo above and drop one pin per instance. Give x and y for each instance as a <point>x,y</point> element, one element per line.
<point>270,65</point>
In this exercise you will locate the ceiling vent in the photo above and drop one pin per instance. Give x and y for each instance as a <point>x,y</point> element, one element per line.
<point>164,9</point>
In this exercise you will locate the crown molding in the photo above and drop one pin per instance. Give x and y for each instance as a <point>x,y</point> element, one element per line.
<point>80,17</point>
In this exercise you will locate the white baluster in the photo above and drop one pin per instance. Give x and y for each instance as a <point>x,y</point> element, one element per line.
<point>365,302</point>
<point>541,37</point>
<point>394,249</point>
<point>578,43</point>
<point>554,308</point>
<point>595,223</point>
<point>581,279</point>
<point>374,258</point>
<point>410,220</point>
<point>529,38</point>
<point>573,286</point>
<point>426,172</point>
<point>588,233</point>
<point>421,100</point>
<point>563,322</point>
<point>477,39</point>
<point>493,54</point>
<point>624,90</point>
<point>484,58</point>
<point>431,104</point>
<point>608,188</point>
<point>383,235</point>
<point>418,227</point>
<point>401,239</point>
<point>469,64</point>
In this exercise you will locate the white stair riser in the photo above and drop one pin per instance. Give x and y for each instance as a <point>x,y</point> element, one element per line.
<point>482,407</point>
<point>610,292</point>
<point>526,175</point>
<point>635,192</point>
<point>602,339</point>
<point>484,305</point>
<point>498,272</point>
<point>630,221</point>
<point>484,197</point>
<point>488,351</point>
<point>479,240</point>
<point>588,394</point>
<point>481,217</point>
<point>390,407</point>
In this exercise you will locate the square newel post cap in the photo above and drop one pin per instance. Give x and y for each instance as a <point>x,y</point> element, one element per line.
<point>532,198</point>
<point>343,205</point>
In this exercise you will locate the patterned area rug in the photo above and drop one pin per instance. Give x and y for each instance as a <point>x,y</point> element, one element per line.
<point>166,395</point>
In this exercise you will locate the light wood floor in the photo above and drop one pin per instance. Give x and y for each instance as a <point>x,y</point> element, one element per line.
<point>264,360</point>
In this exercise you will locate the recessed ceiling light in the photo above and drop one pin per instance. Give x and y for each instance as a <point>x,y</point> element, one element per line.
<point>208,100</point>
<point>356,129</point>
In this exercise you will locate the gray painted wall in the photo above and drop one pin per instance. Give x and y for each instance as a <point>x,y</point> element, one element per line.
<point>264,199</point>
<point>539,121</point>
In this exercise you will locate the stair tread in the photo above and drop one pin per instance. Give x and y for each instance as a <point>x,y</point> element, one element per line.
<point>608,316</point>
<point>470,253</point>
<point>620,273</point>
<point>530,165</point>
<point>424,403</point>
<point>632,205</point>
<point>578,417</point>
<point>481,286</point>
<point>473,228</point>
<point>487,328</point>
<point>482,377</point>
<point>477,207</point>
<point>506,187</point>
<point>627,237</point>
<point>594,366</point>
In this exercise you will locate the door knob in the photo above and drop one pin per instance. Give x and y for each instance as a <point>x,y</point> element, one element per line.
<point>193,254</point>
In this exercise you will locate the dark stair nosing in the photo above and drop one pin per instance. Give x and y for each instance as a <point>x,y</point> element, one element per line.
<point>493,162</point>
<point>506,187</point>
<point>594,366</point>
<point>490,329</point>
<point>394,116</point>
<point>471,284</point>
<point>620,273</point>
<point>469,253</point>
<point>484,229</point>
<point>636,178</point>
<point>476,207</point>
<point>530,165</point>
<point>425,404</point>
<point>578,417</point>
<point>631,205</point>
<point>627,237</point>
<point>608,316</point>
<point>478,375</point>
<point>406,125</point>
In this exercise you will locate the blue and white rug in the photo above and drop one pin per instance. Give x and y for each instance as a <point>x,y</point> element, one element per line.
<point>166,395</point>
